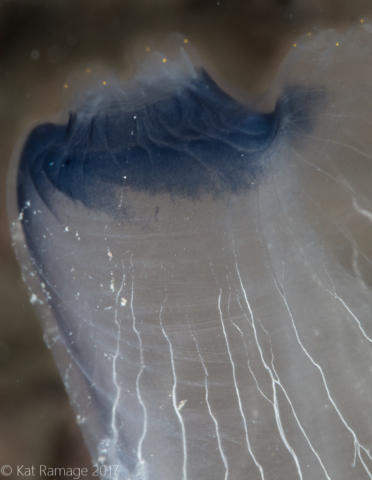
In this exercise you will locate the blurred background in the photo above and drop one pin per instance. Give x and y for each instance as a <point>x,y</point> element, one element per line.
<point>40,43</point>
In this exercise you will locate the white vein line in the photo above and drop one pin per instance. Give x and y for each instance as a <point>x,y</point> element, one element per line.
<point>335,142</point>
<point>290,402</point>
<point>246,349</point>
<point>334,294</point>
<point>241,308</point>
<point>344,183</point>
<point>114,372</point>
<point>356,269</point>
<point>348,236</point>
<point>319,169</point>
<point>223,457</point>
<point>144,430</point>
<point>174,397</point>
<point>357,445</point>
<point>361,211</point>
<point>274,382</point>
<point>271,346</point>
<point>237,390</point>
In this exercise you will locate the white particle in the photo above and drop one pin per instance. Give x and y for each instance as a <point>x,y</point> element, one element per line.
<point>33,298</point>
<point>181,404</point>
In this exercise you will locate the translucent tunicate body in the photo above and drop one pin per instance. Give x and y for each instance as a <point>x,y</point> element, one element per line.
<point>201,264</point>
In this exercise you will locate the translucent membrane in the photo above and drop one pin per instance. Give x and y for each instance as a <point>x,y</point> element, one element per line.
<point>202,268</point>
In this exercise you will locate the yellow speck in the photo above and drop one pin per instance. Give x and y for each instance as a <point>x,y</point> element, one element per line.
<point>185,40</point>
<point>309,33</point>
<point>164,60</point>
<point>104,83</point>
<point>337,44</point>
<point>65,85</point>
<point>362,20</point>
<point>295,44</point>
<point>88,70</point>
<point>148,49</point>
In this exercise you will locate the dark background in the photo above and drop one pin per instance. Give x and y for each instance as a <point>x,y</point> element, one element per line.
<point>40,43</point>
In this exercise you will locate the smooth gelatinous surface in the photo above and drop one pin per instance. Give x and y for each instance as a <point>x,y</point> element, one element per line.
<point>202,268</point>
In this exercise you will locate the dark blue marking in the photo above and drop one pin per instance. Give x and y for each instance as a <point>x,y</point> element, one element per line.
<point>191,141</point>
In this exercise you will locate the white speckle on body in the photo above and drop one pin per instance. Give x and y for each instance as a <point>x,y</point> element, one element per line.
<point>33,298</point>
<point>181,404</point>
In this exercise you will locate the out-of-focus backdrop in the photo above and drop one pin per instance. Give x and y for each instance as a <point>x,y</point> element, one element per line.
<point>40,43</point>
